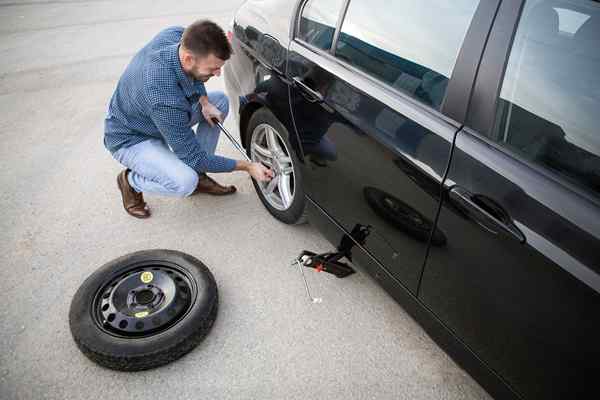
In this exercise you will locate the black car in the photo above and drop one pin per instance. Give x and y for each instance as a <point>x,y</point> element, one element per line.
<point>452,150</point>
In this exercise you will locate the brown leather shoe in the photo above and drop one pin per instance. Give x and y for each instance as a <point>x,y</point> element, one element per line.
<point>133,202</point>
<point>208,185</point>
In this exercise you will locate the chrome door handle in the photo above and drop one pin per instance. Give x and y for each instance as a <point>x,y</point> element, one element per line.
<point>316,96</point>
<point>485,212</point>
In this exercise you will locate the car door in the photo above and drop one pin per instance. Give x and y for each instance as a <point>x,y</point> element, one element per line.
<point>370,102</point>
<point>519,279</point>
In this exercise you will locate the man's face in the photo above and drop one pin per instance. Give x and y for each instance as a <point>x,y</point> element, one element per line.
<point>204,68</point>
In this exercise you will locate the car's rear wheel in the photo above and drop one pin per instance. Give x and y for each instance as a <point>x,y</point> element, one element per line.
<point>268,143</point>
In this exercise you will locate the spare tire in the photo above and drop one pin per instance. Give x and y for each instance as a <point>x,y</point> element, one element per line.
<point>144,309</point>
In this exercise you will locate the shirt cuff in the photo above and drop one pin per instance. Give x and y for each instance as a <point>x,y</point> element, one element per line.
<point>230,164</point>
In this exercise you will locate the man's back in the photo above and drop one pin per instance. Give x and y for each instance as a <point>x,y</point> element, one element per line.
<point>129,115</point>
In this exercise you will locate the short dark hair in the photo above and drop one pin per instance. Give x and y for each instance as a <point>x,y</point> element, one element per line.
<point>204,37</point>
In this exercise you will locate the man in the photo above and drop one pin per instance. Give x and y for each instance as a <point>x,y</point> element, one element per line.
<point>158,100</point>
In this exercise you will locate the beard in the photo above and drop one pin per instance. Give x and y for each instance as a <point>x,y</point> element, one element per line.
<point>202,78</point>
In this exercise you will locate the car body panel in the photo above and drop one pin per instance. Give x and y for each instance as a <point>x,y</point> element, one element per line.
<point>386,167</point>
<point>518,306</point>
<point>523,301</point>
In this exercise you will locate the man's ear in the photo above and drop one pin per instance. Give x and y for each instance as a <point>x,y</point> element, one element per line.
<point>188,60</point>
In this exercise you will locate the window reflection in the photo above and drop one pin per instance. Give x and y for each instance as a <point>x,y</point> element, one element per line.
<point>411,45</point>
<point>550,98</point>
<point>318,22</point>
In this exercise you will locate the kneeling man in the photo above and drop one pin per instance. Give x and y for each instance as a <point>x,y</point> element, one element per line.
<point>159,98</point>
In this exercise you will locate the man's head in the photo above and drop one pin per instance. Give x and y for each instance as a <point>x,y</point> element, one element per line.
<point>204,50</point>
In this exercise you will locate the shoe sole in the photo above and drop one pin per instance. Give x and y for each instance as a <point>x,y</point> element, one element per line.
<point>216,194</point>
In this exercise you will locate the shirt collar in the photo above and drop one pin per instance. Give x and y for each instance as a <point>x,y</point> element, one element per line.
<point>189,85</point>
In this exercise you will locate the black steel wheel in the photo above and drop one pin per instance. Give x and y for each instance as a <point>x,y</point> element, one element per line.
<point>144,309</point>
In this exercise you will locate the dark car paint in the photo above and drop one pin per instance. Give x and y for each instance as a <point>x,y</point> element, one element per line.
<point>351,142</point>
<point>520,317</point>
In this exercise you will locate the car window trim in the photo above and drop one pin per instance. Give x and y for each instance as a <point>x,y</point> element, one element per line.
<point>546,172</point>
<point>373,87</point>
<point>338,28</point>
<point>481,115</point>
<point>482,109</point>
<point>295,31</point>
<point>456,100</point>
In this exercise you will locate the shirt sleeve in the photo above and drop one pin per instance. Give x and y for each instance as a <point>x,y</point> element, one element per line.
<point>199,86</point>
<point>172,124</point>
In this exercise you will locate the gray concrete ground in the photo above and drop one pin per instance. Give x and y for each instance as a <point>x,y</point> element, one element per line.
<point>61,219</point>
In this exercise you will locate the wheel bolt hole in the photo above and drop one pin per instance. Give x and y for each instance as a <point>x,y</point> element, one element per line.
<point>123,324</point>
<point>178,279</point>
<point>111,317</point>
<point>105,307</point>
<point>139,325</point>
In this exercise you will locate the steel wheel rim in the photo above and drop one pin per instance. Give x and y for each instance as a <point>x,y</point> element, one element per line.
<point>144,300</point>
<point>268,147</point>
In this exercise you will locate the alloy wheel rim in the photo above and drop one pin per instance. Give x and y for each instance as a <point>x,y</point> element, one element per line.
<point>268,148</point>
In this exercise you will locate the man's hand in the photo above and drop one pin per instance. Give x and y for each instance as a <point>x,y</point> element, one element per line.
<point>260,172</point>
<point>210,111</point>
<point>256,170</point>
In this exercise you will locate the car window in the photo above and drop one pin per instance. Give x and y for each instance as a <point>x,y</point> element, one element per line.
<point>318,22</point>
<point>411,45</point>
<point>549,107</point>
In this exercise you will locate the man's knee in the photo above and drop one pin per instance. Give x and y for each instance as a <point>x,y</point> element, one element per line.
<point>220,100</point>
<point>184,182</point>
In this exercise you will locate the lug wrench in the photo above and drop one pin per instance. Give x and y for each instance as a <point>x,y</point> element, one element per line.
<point>231,139</point>
<point>300,262</point>
<point>241,150</point>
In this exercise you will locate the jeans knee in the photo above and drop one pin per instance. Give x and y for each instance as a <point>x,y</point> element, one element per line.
<point>185,183</point>
<point>220,100</point>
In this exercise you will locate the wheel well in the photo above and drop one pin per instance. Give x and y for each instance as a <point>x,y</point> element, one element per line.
<point>247,112</point>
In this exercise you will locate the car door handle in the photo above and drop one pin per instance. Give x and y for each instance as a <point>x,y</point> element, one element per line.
<point>314,95</point>
<point>485,212</point>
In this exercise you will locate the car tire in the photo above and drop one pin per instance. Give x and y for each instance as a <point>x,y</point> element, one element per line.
<point>295,213</point>
<point>181,319</point>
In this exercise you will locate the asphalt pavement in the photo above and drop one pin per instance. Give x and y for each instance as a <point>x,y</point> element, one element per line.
<point>61,218</point>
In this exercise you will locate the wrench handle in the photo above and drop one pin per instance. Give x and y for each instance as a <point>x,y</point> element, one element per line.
<point>231,139</point>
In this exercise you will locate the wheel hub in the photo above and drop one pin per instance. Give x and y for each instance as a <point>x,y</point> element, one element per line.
<point>144,301</point>
<point>144,297</point>
<point>269,148</point>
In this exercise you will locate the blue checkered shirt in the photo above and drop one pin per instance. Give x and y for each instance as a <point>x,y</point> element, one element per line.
<point>156,99</point>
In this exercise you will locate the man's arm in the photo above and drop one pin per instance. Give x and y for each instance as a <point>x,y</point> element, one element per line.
<point>209,111</point>
<point>172,124</point>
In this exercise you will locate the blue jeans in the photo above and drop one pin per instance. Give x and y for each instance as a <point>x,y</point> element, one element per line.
<point>156,169</point>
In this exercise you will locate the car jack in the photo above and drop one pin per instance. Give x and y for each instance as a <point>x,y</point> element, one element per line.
<point>330,262</point>
<point>326,262</point>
